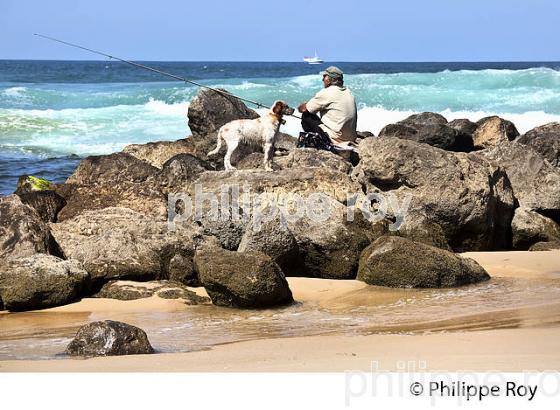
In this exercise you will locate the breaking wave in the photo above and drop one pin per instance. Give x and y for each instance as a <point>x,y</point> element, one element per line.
<point>95,131</point>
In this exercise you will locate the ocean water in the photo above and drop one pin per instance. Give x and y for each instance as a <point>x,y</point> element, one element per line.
<point>52,113</point>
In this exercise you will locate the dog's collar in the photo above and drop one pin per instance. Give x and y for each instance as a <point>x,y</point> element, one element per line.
<point>278,117</point>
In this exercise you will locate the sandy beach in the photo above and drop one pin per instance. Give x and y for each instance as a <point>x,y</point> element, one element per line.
<point>517,338</point>
<point>493,350</point>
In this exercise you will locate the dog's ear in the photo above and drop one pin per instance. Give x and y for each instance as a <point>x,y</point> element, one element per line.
<point>278,107</point>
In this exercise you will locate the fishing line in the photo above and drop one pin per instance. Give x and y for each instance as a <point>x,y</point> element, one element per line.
<point>155,70</point>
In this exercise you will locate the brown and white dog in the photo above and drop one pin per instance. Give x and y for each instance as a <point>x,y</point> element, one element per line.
<point>260,131</point>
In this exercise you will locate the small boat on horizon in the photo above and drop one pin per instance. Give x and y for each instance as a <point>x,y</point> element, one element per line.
<point>313,60</point>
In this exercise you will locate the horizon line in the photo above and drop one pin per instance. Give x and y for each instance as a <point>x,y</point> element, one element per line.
<point>289,61</point>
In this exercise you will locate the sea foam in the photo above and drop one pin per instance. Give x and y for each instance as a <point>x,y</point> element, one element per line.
<point>373,119</point>
<point>95,131</point>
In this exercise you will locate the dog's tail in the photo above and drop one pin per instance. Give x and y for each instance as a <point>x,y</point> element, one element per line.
<point>217,149</point>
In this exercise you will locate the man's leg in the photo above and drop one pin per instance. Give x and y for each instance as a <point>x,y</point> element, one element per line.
<point>316,137</point>
<point>310,123</point>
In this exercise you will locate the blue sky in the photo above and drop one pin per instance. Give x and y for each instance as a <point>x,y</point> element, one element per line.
<point>285,30</point>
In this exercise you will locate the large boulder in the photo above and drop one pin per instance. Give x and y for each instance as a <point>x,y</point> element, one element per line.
<point>128,290</point>
<point>431,129</point>
<point>437,135</point>
<point>398,262</point>
<point>177,261</point>
<point>418,226</point>
<point>118,243</point>
<point>546,246</point>
<point>250,185</point>
<point>113,169</point>
<point>146,198</point>
<point>109,338</point>
<point>298,158</point>
<point>116,180</point>
<point>242,279</point>
<point>198,145</point>
<point>425,118</point>
<point>545,140</point>
<point>22,232</point>
<point>255,160</point>
<point>210,109</point>
<point>313,158</point>
<point>329,248</point>
<point>296,180</point>
<point>492,131</point>
<point>274,239</point>
<point>529,227</point>
<point>228,231</point>
<point>463,125</point>
<point>285,143</point>
<point>47,204</point>
<point>535,182</point>
<point>159,152</point>
<point>468,197</point>
<point>40,281</point>
<point>178,171</point>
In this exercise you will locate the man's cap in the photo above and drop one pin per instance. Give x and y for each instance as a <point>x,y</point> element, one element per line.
<point>333,72</point>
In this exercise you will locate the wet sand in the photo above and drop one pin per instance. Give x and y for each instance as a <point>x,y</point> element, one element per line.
<point>482,333</point>
<point>494,350</point>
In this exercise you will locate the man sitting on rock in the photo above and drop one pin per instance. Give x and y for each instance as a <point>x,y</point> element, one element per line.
<point>337,107</point>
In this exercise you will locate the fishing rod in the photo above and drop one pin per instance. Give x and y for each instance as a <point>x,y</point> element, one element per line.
<point>155,70</point>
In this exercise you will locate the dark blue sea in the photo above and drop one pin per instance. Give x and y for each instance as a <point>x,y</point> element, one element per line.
<point>52,113</point>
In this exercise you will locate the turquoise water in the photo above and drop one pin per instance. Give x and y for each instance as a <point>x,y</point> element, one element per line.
<point>53,113</point>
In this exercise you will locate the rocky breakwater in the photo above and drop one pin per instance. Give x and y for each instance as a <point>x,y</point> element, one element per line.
<point>536,184</point>
<point>164,212</point>
<point>522,172</point>
<point>457,200</point>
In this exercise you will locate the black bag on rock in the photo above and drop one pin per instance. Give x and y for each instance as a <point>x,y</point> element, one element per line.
<point>314,140</point>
